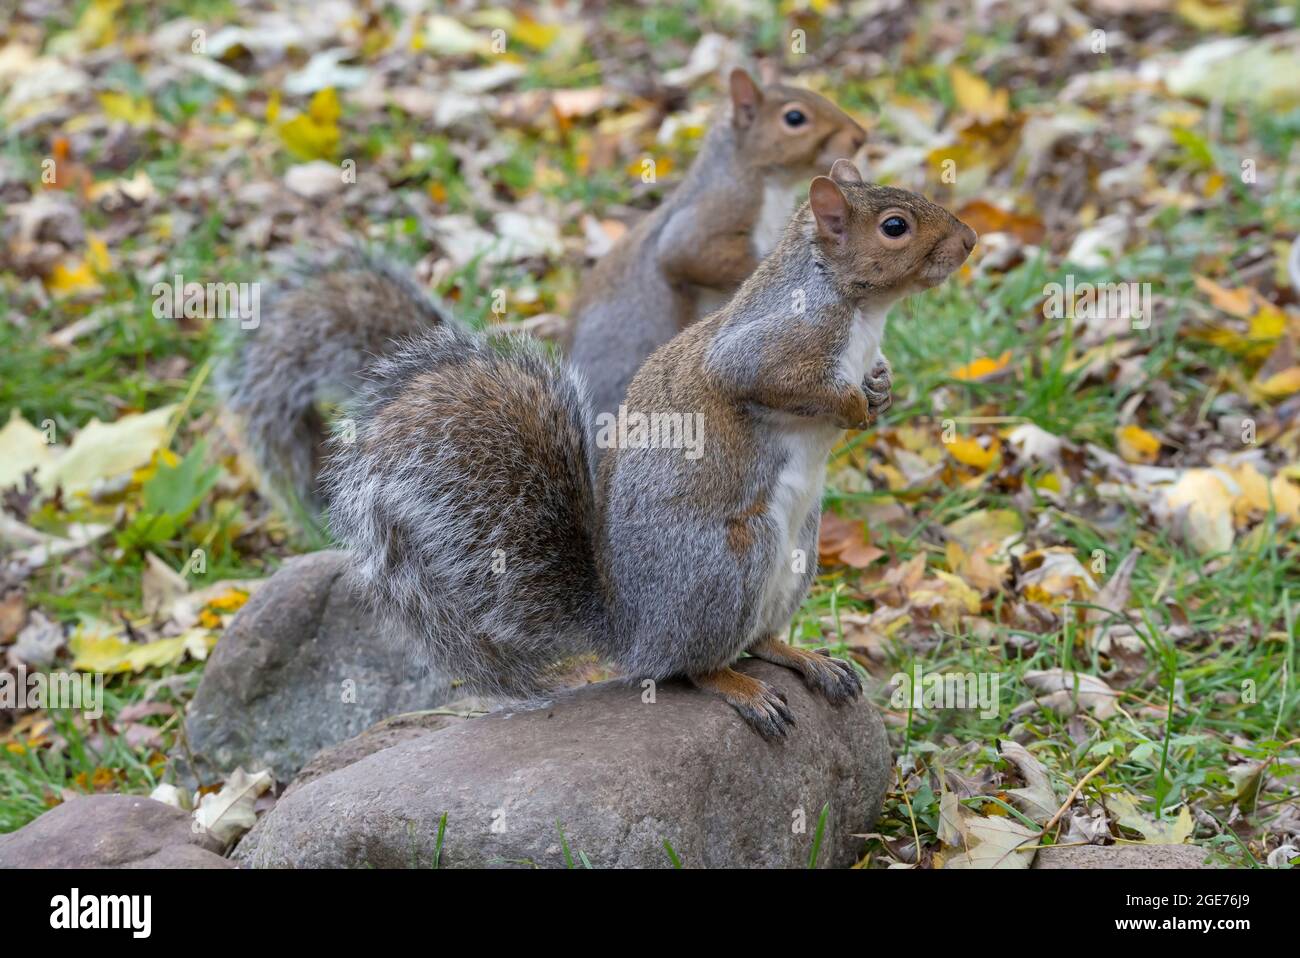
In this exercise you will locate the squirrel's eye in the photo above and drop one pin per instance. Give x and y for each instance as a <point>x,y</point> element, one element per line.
<point>795,118</point>
<point>895,226</point>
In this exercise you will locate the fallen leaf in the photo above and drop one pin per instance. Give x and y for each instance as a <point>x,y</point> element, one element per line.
<point>228,813</point>
<point>102,451</point>
<point>976,98</point>
<point>1137,445</point>
<point>1163,832</point>
<point>982,368</point>
<point>1038,799</point>
<point>22,449</point>
<point>1091,692</point>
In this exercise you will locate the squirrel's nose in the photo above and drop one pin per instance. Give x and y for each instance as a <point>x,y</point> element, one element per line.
<point>968,237</point>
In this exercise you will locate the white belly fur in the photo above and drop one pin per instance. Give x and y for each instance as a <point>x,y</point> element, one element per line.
<point>797,491</point>
<point>773,216</point>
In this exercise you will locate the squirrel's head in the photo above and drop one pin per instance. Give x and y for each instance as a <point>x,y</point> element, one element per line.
<point>882,243</point>
<point>789,130</point>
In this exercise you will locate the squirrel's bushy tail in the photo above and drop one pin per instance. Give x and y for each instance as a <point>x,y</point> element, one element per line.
<point>317,331</point>
<point>467,502</point>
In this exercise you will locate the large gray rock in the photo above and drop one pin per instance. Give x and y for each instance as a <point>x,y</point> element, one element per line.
<point>1122,856</point>
<point>619,775</point>
<point>389,732</point>
<point>110,831</point>
<point>300,668</point>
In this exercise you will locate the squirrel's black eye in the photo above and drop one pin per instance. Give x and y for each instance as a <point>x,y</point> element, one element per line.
<point>795,118</point>
<point>895,226</point>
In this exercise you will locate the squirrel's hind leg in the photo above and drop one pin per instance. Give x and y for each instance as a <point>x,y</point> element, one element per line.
<point>758,703</point>
<point>834,678</point>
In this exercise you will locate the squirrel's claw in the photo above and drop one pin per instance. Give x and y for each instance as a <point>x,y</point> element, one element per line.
<point>879,387</point>
<point>834,678</point>
<point>767,713</point>
<point>761,705</point>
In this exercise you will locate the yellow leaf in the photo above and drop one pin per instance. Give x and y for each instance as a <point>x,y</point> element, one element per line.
<point>135,111</point>
<point>103,450</point>
<point>95,650</point>
<point>229,601</point>
<point>976,98</point>
<point>1216,16</point>
<point>984,527</point>
<point>1280,384</point>
<point>981,368</point>
<point>530,33</point>
<point>959,592</point>
<point>324,106</point>
<point>969,452</point>
<point>97,25</point>
<point>97,257</point>
<point>1268,324</point>
<point>22,448</point>
<point>1137,445</point>
<point>71,279</point>
<point>314,135</point>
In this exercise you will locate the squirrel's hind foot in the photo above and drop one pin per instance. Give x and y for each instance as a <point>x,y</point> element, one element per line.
<point>761,705</point>
<point>833,678</point>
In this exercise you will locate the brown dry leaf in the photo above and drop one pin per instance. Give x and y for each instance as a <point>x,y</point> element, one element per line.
<point>900,580</point>
<point>13,614</point>
<point>1234,302</point>
<point>1061,688</point>
<point>1038,800</point>
<point>845,541</point>
<point>985,218</point>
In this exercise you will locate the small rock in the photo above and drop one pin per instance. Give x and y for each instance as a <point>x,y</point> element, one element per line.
<point>620,775</point>
<point>1122,856</point>
<point>301,667</point>
<point>110,831</point>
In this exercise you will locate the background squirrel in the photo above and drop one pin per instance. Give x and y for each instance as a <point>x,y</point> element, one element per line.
<point>317,332</point>
<point>690,254</point>
<point>477,524</point>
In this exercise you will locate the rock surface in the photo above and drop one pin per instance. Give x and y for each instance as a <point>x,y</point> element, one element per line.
<point>389,732</point>
<point>1123,856</point>
<point>110,831</point>
<point>620,775</point>
<point>300,668</point>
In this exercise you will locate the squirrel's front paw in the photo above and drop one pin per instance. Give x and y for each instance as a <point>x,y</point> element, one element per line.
<point>879,386</point>
<point>854,410</point>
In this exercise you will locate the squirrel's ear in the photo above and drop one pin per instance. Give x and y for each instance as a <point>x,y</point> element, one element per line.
<point>830,208</point>
<point>745,98</point>
<point>844,171</point>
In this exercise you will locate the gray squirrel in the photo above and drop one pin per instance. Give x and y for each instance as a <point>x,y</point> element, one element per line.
<point>479,525</point>
<point>687,257</point>
<point>320,328</point>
